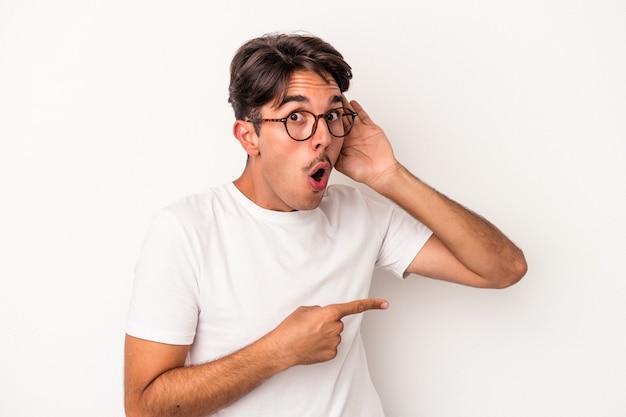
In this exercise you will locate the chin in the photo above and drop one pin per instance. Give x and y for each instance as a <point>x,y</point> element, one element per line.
<point>309,205</point>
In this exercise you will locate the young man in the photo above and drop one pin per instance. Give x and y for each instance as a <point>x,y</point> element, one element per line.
<point>247,297</point>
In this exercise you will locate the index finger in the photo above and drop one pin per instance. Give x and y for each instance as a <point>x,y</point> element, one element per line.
<point>353,105</point>
<point>359,306</point>
<point>346,102</point>
<point>356,106</point>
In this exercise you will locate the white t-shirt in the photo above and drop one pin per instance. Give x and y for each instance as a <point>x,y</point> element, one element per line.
<point>218,272</point>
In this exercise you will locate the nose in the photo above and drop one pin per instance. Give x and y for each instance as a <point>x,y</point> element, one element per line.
<point>321,136</point>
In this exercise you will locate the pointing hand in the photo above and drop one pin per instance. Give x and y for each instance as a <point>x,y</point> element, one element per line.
<point>311,334</point>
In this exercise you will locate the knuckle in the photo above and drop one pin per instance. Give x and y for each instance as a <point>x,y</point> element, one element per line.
<point>332,353</point>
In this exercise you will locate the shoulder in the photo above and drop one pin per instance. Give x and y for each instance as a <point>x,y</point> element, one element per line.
<point>337,193</point>
<point>346,204</point>
<point>350,196</point>
<point>197,209</point>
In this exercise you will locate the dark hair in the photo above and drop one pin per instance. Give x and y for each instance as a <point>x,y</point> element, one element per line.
<point>261,68</point>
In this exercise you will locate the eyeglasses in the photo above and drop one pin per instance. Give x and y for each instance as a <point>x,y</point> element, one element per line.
<point>302,124</point>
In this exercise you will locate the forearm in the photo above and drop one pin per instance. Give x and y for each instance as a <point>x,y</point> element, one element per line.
<point>475,242</point>
<point>201,390</point>
<point>157,384</point>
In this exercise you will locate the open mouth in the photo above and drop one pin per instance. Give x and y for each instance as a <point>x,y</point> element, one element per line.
<point>317,175</point>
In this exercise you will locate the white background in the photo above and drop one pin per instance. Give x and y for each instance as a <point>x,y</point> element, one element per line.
<point>111,109</point>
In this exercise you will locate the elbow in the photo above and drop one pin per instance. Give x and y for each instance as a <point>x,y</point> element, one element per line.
<point>132,411</point>
<point>133,408</point>
<point>135,412</point>
<point>517,268</point>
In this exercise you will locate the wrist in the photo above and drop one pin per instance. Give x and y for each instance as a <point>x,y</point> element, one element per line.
<point>390,179</point>
<point>274,353</point>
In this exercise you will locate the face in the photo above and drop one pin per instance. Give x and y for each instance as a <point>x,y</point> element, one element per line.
<point>283,174</point>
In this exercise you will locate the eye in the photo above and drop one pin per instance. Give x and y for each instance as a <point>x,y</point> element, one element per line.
<point>296,117</point>
<point>333,115</point>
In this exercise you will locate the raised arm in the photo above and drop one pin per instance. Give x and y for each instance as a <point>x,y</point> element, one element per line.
<point>157,382</point>
<point>464,248</point>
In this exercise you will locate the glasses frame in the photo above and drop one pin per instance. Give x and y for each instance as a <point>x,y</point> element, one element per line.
<point>317,118</point>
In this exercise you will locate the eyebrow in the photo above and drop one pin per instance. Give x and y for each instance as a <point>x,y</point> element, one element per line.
<point>302,99</point>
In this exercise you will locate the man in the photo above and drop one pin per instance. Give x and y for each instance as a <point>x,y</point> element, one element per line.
<point>247,297</point>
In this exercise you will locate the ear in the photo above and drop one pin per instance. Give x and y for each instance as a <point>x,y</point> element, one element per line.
<point>247,137</point>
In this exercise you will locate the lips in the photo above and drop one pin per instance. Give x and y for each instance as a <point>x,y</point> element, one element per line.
<point>319,174</point>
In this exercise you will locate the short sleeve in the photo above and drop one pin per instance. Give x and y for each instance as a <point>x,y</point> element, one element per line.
<point>403,238</point>
<point>164,302</point>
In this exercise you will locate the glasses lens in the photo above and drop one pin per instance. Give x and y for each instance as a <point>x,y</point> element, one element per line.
<point>300,124</point>
<point>339,121</point>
